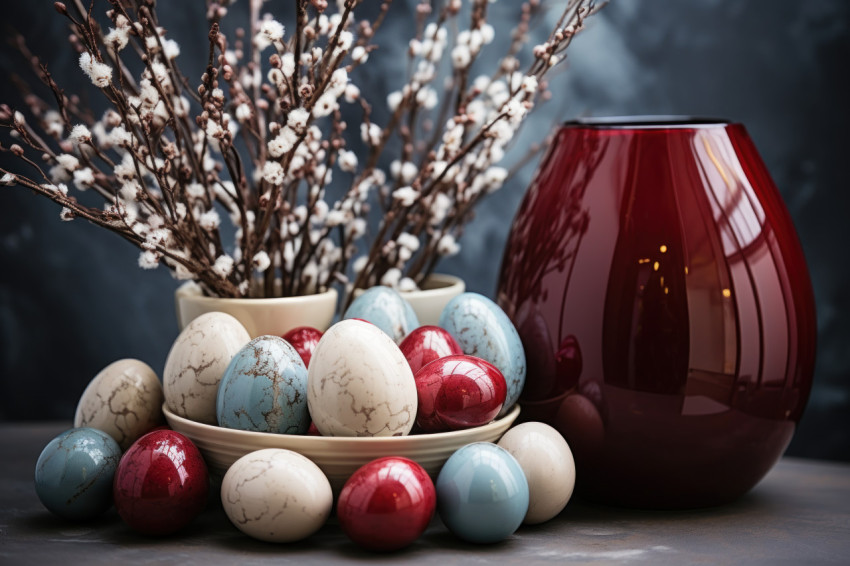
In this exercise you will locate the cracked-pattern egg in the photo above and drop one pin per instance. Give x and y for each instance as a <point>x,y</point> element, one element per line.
<point>196,363</point>
<point>74,473</point>
<point>483,330</point>
<point>264,389</point>
<point>276,495</point>
<point>124,400</point>
<point>386,309</point>
<point>360,384</point>
<point>548,464</point>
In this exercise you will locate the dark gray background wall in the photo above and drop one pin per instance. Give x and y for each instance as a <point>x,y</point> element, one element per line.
<point>72,299</point>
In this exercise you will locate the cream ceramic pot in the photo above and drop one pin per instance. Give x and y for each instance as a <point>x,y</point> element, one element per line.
<point>274,316</point>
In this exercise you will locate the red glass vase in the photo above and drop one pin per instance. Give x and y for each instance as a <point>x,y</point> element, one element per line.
<point>665,307</point>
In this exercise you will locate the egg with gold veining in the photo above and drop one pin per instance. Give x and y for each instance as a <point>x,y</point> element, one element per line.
<point>360,384</point>
<point>196,363</point>
<point>124,400</point>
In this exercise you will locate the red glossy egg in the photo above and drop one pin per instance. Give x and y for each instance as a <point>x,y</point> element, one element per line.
<point>458,392</point>
<point>304,339</point>
<point>161,483</point>
<point>313,430</point>
<point>386,504</point>
<point>426,344</point>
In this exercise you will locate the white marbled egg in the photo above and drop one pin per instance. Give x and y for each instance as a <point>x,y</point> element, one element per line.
<point>197,361</point>
<point>276,495</point>
<point>124,400</point>
<point>547,461</point>
<point>360,384</point>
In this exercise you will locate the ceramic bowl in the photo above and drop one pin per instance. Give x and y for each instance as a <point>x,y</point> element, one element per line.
<point>338,457</point>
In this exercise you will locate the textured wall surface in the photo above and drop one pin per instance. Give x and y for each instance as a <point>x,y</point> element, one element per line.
<point>72,299</point>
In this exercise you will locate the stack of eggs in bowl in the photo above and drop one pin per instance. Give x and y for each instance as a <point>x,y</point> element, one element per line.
<point>374,407</point>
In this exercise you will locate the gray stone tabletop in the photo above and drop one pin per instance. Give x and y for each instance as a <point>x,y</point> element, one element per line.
<point>800,513</point>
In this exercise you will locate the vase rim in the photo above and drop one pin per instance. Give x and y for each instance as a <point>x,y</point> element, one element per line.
<point>647,122</point>
<point>183,292</point>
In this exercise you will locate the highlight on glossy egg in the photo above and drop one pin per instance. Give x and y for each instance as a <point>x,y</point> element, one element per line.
<point>264,389</point>
<point>304,339</point>
<point>385,308</point>
<point>74,473</point>
<point>359,383</point>
<point>482,493</point>
<point>386,504</point>
<point>276,495</point>
<point>196,363</point>
<point>458,392</point>
<point>483,330</point>
<point>161,483</point>
<point>123,400</point>
<point>548,464</point>
<point>428,343</point>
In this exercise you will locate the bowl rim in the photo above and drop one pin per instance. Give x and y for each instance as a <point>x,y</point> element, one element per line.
<point>297,441</point>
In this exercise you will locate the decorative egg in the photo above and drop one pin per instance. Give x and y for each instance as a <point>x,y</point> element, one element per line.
<point>264,389</point>
<point>197,361</point>
<point>426,344</point>
<point>304,339</point>
<point>386,309</point>
<point>548,465</point>
<point>359,383</point>
<point>386,504</point>
<point>124,400</point>
<point>484,330</point>
<point>482,493</point>
<point>458,392</point>
<point>276,495</point>
<point>73,475</point>
<point>161,483</point>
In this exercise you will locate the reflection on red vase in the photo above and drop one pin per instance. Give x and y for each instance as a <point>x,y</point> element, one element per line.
<point>662,296</point>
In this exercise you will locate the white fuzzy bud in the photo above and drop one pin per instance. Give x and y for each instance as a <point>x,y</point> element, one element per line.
<point>406,196</point>
<point>148,259</point>
<point>447,246</point>
<point>287,65</point>
<point>391,277</point>
<point>80,134</point>
<point>209,220</point>
<point>223,265</point>
<point>461,57</point>
<point>261,261</point>
<point>273,173</point>
<point>347,161</point>
<point>394,99</point>
<point>99,73</point>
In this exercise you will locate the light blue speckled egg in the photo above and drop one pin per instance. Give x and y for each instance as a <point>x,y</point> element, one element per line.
<point>482,493</point>
<point>264,389</point>
<point>386,309</point>
<point>484,330</point>
<point>74,473</point>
